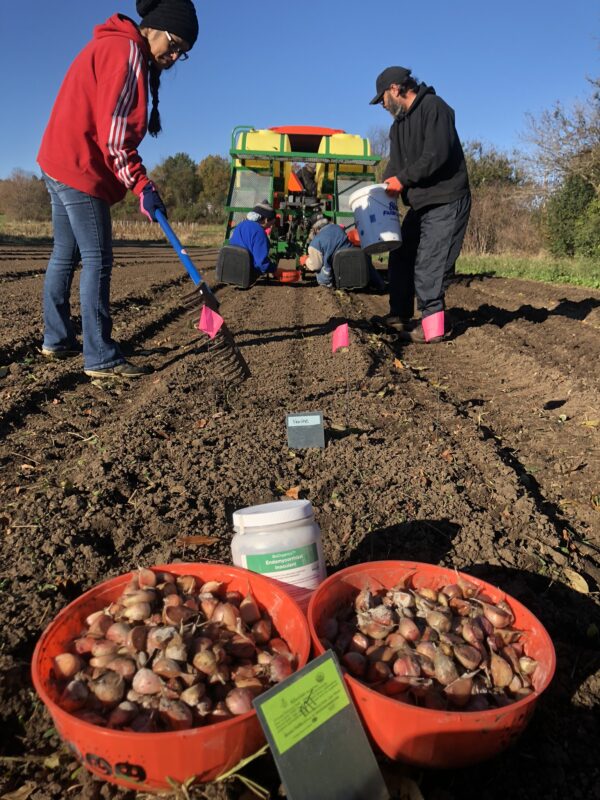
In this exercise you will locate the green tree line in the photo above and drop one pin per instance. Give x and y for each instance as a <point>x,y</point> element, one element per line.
<point>192,192</point>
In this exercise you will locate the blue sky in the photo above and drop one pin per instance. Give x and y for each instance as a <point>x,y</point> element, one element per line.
<point>312,63</point>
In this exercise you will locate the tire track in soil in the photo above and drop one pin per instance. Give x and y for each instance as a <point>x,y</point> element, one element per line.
<point>562,324</point>
<point>27,344</point>
<point>454,373</point>
<point>59,377</point>
<point>542,370</point>
<point>21,325</point>
<point>333,403</point>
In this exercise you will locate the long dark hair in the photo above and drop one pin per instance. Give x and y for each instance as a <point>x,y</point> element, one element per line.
<point>154,126</point>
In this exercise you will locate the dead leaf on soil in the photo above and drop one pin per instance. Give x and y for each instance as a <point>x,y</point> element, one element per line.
<point>22,793</point>
<point>398,364</point>
<point>576,581</point>
<point>447,456</point>
<point>52,761</point>
<point>595,501</point>
<point>591,423</point>
<point>201,423</point>
<point>293,492</point>
<point>207,540</point>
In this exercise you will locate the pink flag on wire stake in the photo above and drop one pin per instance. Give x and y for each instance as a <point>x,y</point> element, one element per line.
<point>340,338</point>
<point>210,322</point>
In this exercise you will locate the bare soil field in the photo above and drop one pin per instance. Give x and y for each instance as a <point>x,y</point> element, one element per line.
<point>482,453</point>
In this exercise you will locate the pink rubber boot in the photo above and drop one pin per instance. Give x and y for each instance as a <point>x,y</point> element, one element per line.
<point>433,326</point>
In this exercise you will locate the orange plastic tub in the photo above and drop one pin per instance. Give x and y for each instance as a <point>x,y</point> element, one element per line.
<point>145,760</point>
<point>422,736</point>
<point>288,275</point>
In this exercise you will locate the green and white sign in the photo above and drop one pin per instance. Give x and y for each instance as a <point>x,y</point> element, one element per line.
<point>316,736</point>
<point>305,705</point>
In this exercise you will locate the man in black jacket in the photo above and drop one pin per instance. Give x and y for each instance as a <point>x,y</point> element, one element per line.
<point>427,168</point>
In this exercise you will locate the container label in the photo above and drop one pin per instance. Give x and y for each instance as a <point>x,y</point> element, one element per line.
<point>299,566</point>
<point>294,422</point>
<point>305,705</point>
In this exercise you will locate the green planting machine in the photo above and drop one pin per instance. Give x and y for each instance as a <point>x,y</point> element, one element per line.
<point>263,167</point>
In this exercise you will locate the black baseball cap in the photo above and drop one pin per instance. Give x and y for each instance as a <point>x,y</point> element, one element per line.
<point>386,78</point>
<point>264,210</point>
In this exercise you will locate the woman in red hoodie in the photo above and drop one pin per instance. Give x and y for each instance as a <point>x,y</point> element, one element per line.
<point>89,159</point>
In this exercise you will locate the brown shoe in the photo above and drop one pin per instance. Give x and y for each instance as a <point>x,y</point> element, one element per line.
<point>394,323</point>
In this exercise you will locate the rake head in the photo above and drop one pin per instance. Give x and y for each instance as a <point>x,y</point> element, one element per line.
<point>226,359</point>
<point>199,296</point>
<point>229,364</point>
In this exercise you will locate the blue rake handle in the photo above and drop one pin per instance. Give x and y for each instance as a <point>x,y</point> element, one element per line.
<point>187,262</point>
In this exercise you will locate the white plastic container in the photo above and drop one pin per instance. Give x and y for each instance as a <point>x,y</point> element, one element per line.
<point>282,541</point>
<point>376,217</point>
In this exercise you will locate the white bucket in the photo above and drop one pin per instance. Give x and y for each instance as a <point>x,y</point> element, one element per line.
<point>377,220</point>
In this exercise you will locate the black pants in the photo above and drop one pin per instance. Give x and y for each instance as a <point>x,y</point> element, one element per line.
<point>424,265</point>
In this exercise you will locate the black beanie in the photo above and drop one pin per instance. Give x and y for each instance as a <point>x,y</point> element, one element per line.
<point>175,16</point>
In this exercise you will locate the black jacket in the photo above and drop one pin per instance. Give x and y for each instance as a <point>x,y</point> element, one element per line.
<point>307,179</point>
<point>426,154</point>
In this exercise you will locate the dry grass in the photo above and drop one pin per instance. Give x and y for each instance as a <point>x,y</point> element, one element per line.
<point>189,233</point>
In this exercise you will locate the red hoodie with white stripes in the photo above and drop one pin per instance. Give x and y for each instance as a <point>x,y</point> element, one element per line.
<point>100,115</point>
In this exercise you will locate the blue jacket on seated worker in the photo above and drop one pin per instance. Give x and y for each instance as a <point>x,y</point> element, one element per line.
<point>250,234</point>
<point>325,239</point>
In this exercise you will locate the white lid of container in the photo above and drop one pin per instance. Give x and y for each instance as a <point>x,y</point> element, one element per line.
<point>271,514</point>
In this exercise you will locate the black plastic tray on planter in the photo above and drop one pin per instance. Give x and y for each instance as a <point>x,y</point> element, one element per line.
<point>234,266</point>
<point>351,269</point>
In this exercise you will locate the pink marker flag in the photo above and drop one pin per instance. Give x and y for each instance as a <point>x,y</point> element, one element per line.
<point>210,322</point>
<point>340,337</point>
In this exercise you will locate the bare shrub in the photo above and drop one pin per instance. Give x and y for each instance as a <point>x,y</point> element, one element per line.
<point>503,220</point>
<point>23,196</point>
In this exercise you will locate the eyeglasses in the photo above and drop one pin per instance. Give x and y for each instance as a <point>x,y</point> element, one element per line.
<point>382,101</point>
<point>175,49</point>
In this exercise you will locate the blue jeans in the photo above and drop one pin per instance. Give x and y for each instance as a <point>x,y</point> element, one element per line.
<point>82,229</point>
<point>325,276</point>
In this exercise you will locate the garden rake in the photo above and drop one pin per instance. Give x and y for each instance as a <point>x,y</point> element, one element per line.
<point>224,353</point>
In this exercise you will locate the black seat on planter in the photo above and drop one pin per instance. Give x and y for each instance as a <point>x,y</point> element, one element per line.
<point>234,266</point>
<point>351,269</point>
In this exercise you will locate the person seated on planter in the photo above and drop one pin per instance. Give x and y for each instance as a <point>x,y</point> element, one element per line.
<point>251,235</point>
<point>325,239</point>
<point>306,176</point>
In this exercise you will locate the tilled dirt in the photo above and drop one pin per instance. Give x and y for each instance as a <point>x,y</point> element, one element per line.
<point>481,453</point>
